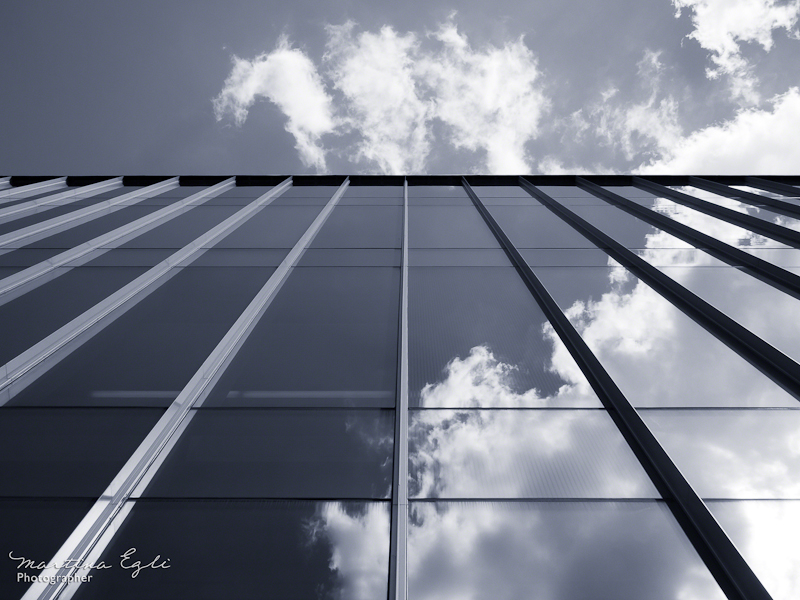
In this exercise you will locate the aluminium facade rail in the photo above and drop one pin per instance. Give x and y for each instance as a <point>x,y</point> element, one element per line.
<point>25,191</point>
<point>398,554</point>
<point>767,272</point>
<point>105,518</point>
<point>773,186</point>
<point>754,224</point>
<point>37,231</point>
<point>779,206</point>
<point>31,207</point>
<point>772,362</point>
<point>723,560</point>
<point>19,372</point>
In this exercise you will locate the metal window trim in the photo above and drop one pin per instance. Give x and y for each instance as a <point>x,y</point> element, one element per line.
<point>724,561</point>
<point>754,224</point>
<point>765,271</point>
<point>31,207</point>
<point>19,372</point>
<point>91,536</point>
<point>773,204</point>
<point>398,555</point>
<point>25,191</point>
<point>773,186</point>
<point>33,233</point>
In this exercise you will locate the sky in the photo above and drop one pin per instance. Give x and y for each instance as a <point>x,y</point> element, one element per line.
<point>314,86</point>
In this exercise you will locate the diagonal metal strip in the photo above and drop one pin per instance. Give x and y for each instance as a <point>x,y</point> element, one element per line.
<point>778,206</point>
<point>761,269</point>
<point>61,199</point>
<point>25,368</point>
<point>724,561</point>
<point>25,191</point>
<point>97,528</point>
<point>754,224</point>
<point>773,186</point>
<point>32,233</point>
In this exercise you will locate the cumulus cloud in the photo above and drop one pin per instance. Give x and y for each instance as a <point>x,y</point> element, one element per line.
<point>287,77</point>
<point>723,26</point>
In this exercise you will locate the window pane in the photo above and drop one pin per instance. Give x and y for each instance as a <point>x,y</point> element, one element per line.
<point>537,227</point>
<point>521,454</point>
<point>272,227</point>
<point>181,230</point>
<point>448,227</point>
<point>361,227</point>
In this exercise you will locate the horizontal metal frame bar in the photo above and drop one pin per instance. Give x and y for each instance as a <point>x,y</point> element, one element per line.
<point>773,186</point>
<point>25,191</point>
<point>720,555</point>
<point>98,527</point>
<point>31,207</point>
<point>778,206</point>
<point>33,233</point>
<point>767,359</point>
<point>754,224</point>
<point>784,280</point>
<point>19,372</point>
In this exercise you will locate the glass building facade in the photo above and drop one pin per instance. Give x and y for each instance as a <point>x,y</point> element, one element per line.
<point>383,387</point>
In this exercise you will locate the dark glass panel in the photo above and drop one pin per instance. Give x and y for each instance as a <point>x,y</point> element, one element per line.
<point>361,227</point>
<point>131,257</point>
<point>626,229</point>
<point>553,550</point>
<point>67,452</point>
<point>250,550</point>
<point>458,257</point>
<point>148,355</point>
<point>537,227</point>
<point>241,257</point>
<point>448,227</point>
<point>182,229</point>
<point>108,195</point>
<point>329,338</point>
<point>521,454</point>
<point>306,195</point>
<point>374,191</point>
<point>273,453</point>
<point>477,338</point>
<point>733,453</point>
<point>46,213</point>
<point>564,191</point>
<point>351,257</point>
<point>566,257</point>
<point>436,191</point>
<point>656,354</point>
<point>501,191</point>
<point>272,227</point>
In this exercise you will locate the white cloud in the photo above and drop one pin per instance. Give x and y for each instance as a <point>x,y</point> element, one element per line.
<point>722,26</point>
<point>287,77</point>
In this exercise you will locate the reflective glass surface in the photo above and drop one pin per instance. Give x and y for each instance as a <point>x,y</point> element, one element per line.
<point>436,191</point>
<point>329,338</point>
<point>656,354</point>
<point>477,338</point>
<point>458,257</point>
<point>521,454</point>
<point>553,550</point>
<point>766,533</point>
<point>67,452</point>
<point>760,212</point>
<point>306,195</point>
<point>44,213</point>
<point>273,453</point>
<point>361,227</point>
<point>249,550</point>
<point>502,191</point>
<point>366,195</point>
<point>183,228</point>
<point>537,227</point>
<point>448,227</point>
<point>272,227</point>
<point>733,453</point>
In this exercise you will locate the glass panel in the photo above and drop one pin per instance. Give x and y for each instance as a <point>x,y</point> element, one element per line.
<point>733,453</point>
<point>566,257</point>
<point>148,355</point>
<point>67,452</point>
<point>521,454</point>
<point>306,195</point>
<point>374,191</point>
<point>329,338</point>
<point>241,257</point>
<point>272,227</point>
<point>458,257</point>
<point>351,257</point>
<point>762,212</point>
<point>657,355</point>
<point>537,227</point>
<point>448,227</point>
<point>627,229</point>
<point>273,453</point>
<point>477,338</point>
<point>185,228</point>
<point>501,191</point>
<point>766,533</point>
<point>242,194</point>
<point>361,227</point>
<point>436,191</point>
<point>35,530</point>
<point>248,550</point>
<point>564,191</point>
<point>44,214</point>
<point>107,195</point>
<point>553,550</point>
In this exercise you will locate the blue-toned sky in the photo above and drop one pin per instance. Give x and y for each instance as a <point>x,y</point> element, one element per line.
<point>187,86</point>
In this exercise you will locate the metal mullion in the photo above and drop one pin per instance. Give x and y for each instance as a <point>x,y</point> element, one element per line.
<point>765,271</point>
<point>772,362</point>
<point>24,209</point>
<point>398,555</point>
<point>107,515</point>
<point>724,561</point>
<point>778,206</point>
<point>773,186</point>
<point>754,224</point>
<point>19,372</point>
<point>32,233</point>
<point>16,193</point>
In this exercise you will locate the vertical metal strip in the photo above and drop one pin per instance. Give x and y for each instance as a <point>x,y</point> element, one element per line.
<point>398,568</point>
<point>92,534</point>
<point>17,193</point>
<point>31,207</point>
<point>731,571</point>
